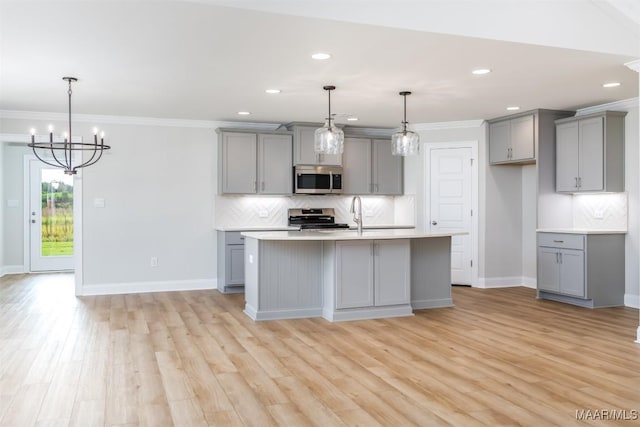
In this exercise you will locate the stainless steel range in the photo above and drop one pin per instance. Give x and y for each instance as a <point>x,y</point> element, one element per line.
<point>314,218</point>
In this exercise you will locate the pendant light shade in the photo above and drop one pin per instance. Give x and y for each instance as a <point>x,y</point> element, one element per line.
<point>405,142</point>
<point>329,139</point>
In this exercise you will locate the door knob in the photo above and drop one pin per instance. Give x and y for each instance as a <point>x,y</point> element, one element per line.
<point>434,222</point>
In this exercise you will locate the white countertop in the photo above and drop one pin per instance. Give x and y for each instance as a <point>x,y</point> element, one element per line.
<point>579,231</point>
<point>346,234</point>
<point>288,228</point>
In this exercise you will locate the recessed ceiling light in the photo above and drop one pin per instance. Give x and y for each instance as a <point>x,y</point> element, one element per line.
<point>272,91</point>
<point>514,108</point>
<point>480,71</point>
<point>352,119</point>
<point>321,56</point>
<point>243,113</point>
<point>612,84</point>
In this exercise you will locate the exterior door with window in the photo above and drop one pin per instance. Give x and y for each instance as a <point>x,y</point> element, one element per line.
<point>50,218</point>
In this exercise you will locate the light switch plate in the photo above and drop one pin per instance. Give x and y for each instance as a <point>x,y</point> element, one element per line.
<point>12,203</point>
<point>98,202</point>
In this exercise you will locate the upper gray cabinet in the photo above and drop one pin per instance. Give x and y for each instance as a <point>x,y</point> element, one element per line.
<point>254,163</point>
<point>590,153</point>
<point>370,168</point>
<point>303,149</point>
<point>512,140</point>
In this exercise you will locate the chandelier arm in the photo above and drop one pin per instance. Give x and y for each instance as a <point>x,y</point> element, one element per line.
<point>91,160</point>
<point>59,165</point>
<point>67,164</point>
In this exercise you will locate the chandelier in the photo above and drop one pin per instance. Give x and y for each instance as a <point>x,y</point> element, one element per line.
<point>62,153</point>
<point>405,142</point>
<point>329,139</point>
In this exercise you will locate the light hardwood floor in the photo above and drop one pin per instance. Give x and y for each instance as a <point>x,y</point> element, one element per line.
<point>499,357</point>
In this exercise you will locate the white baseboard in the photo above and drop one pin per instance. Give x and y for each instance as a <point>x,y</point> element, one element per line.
<point>12,269</point>
<point>144,287</point>
<point>507,282</point>
<point>632,300</point>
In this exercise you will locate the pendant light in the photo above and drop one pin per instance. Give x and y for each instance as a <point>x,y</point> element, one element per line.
<point>62,152</point>
<point>329,139</point>
<point>405,142</point>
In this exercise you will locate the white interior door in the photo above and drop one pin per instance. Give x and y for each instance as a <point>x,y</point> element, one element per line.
<point>50,218</point>
<point>450,193</point>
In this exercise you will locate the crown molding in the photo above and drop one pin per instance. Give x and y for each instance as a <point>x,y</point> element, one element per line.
<point>634,65</point>
<point>448,125</point>
<point>134,120</point>
<point>624,105</point>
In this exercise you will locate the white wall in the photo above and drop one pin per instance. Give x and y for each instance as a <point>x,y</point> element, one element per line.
<point>3,203</point>
<point>158,185</point>
<point>529,243</point>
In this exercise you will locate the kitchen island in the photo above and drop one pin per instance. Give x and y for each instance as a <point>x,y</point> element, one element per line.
<point>344,275</point>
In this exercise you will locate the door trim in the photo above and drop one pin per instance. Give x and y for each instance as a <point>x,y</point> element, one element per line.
<point>474,232</point>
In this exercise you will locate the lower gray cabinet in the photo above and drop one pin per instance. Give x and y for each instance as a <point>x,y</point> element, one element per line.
<point>372,273</point>
<point>230,262</point>
<point>581,269</point>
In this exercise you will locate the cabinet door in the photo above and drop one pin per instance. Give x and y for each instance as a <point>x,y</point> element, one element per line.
<point>235,265</point>
<point>591,154</point>
<point>572,272</point>
<point>356,176</point>
<point>548,269</point>
<point>239,163</point>
<point>523,138</point>
<point>386,169</point>
<point>354,274</point>
<point>275,167</point>
<point>567,157</point>
<point>499,141</point>
<point>392,269</point>
<point>303,149</point>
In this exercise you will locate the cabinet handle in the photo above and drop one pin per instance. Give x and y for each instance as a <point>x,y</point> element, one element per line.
<point>255,185</point>
<point>560,253</point>
<point>262,186</point>
<point>557,257</point>
<point>579,182</point>
<point>576,178</point>
<point>558,241</point>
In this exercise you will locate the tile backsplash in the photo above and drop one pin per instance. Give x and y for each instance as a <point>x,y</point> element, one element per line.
<point>600,211</point>
<point>271,211</point>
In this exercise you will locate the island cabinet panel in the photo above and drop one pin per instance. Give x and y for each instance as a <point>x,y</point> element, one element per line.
<point>372,274</point>
<point>354,274</point>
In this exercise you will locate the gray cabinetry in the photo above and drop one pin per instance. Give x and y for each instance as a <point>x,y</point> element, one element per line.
<point>512,140</point>
<point>370,168</point>
<point>372,273</point>
<point>303,147</point>
<point>230,262</point>
<point>255,163</point>
<point>581,269</point>
<point>590,153</point>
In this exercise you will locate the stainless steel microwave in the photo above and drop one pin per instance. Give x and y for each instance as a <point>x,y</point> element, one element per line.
<point>316,179</point>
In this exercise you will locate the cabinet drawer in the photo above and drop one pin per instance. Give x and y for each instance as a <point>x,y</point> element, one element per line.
<point>561,240</point>
<point>233,238</point>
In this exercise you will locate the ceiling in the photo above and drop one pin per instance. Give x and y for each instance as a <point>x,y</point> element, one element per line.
<point>203,61</point>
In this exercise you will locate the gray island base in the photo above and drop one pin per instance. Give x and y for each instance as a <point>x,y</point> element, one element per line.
<point>343,275</point>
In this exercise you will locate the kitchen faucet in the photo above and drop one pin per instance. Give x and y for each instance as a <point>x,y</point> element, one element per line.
<point>357,213</point>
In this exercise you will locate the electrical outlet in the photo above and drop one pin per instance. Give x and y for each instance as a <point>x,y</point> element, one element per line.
<point>263,213</point>
<point>598,214</point>
<point>154,261</point>
<point>368,212</point>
